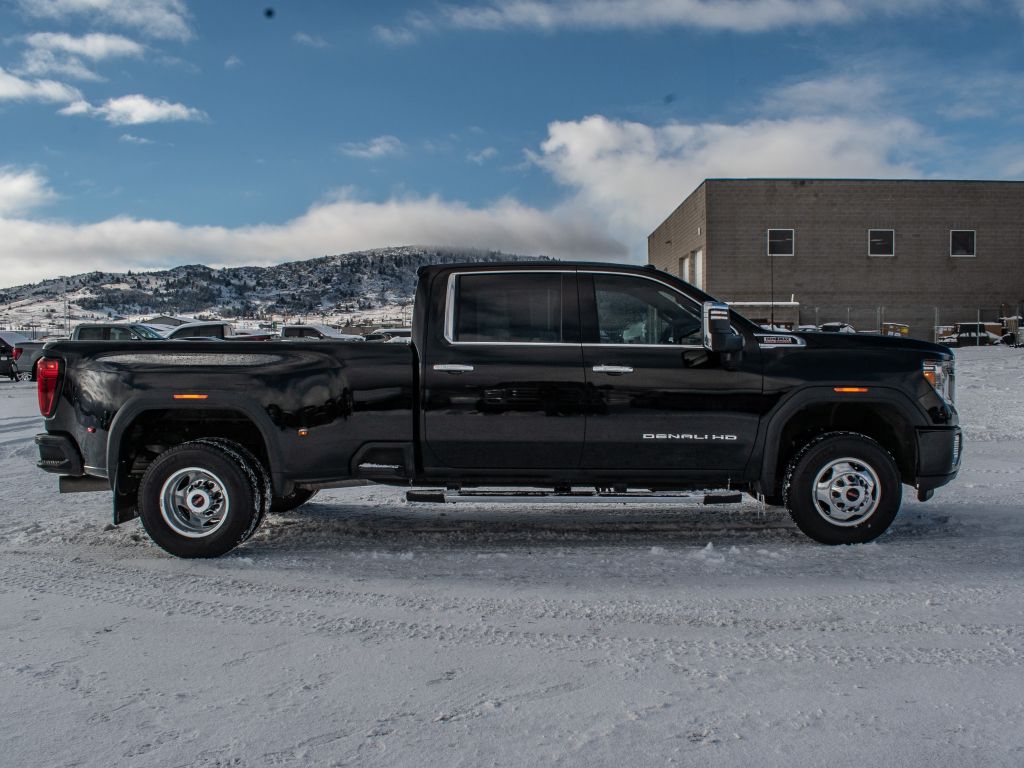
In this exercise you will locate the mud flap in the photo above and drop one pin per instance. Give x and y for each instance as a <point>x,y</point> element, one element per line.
<point>126,504</point>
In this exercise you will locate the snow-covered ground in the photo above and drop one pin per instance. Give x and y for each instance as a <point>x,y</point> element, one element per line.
<point>363,631</point>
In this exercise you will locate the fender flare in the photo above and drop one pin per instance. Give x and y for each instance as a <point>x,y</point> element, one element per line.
<point>142,404</point>
<point>770,431</point>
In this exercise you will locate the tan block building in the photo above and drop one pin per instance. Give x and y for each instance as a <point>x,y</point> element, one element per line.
<point>863,251</point>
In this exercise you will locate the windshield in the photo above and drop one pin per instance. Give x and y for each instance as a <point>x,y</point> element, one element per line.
<point>146,332</point>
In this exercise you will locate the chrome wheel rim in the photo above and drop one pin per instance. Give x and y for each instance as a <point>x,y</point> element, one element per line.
<point>846,492</point>
<point>24,376</point>
<point>194,502</point>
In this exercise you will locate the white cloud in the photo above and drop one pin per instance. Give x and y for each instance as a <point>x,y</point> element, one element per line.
<point>130,138</point>
<point>14,88</point>
<point>231,62</point>
<point>31,250</point>
<point>165,19</point>
<point>39,61</point>
<point>830,95</point>
<point>482,156</point>
<point>94,46</point>
<point>21,191</point>
<point>734,15</point>
<point>59,54</point>
<point>311,41</point>
<point>633,175</point>
<point>382,146</point>
<point>394,35</point>
<point>135,109</point>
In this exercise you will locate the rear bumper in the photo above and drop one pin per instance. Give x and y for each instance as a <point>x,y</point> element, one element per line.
<point>939,453</point>
<point>60,455</point>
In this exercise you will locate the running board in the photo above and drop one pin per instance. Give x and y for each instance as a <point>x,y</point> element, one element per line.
<point>576,497</point>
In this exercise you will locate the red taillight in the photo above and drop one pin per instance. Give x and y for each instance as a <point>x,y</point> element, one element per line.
<point>47,384</point>
<point>17,352</point>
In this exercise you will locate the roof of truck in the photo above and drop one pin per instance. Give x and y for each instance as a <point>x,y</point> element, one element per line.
<point>553,265</point>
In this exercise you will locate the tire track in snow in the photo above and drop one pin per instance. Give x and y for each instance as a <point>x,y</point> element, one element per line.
<point>179,596</point>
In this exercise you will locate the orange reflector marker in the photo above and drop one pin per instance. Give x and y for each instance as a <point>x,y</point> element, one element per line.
<point>303,433</point>
<point>190,397</point>
<point>846,390</point>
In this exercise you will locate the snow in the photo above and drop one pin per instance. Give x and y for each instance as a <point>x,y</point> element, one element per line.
<point>361,630</point>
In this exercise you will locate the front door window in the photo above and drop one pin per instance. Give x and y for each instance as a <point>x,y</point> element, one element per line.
<point>632,310</point>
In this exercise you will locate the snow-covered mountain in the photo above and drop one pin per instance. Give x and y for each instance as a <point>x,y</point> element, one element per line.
<point>366,285</point>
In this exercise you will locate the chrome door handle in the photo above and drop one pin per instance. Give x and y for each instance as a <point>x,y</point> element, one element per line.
<point>612,370</point>
<point>453,368</point>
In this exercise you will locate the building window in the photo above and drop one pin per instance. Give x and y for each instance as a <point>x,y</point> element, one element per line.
<point>780,242</point>
<point>881,242</point>
<point>961,242</point>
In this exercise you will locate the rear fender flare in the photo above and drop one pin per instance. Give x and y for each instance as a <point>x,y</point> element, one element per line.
<point>140,405</point>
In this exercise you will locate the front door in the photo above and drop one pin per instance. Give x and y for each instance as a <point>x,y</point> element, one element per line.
<point>657,400</point>
<point>504,387</point>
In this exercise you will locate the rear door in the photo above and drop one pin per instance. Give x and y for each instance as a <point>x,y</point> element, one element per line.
<point>657,399</point>
<point>503,382</point>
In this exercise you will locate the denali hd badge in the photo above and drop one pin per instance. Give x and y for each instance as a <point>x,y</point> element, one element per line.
<point>685,436</point>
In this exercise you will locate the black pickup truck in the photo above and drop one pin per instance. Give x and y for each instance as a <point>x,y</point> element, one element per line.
<point>551,376</point>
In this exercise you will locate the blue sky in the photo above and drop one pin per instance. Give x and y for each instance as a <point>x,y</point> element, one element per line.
<point>146,133</point>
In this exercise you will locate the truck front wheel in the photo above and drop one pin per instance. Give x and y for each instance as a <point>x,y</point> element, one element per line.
<point>200,499</point>
<point>843,488</point>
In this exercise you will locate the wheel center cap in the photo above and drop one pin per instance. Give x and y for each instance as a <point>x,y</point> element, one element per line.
<point>198,501</point>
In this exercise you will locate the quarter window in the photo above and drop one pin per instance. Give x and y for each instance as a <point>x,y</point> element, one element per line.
<point>781,241</point>
<point>881,242</point>
<point>632,310</point>
<point>509,307</point>
<point>961,242</point>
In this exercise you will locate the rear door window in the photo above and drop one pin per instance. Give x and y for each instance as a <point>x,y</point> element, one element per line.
<point>511,307</point>
<point>91,334</point>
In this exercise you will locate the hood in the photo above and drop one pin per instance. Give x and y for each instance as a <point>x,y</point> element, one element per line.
<point>872,342</point>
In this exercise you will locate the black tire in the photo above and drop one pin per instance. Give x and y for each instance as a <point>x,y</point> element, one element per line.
<point>220,479</point>
<point>244,454</point>
<point>296,498</point>
<point>858,478</point>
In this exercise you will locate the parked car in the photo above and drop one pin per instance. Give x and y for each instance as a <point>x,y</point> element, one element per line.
<point>317,332</point>
<point>216,329</point>
<point>836,328</point>
<point>507,383</point>
<point>978,334</point>
<point>384,334</point>
<point>18,355</point>
<point>115,332</point>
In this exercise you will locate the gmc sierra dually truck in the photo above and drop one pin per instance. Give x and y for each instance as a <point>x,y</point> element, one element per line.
<point>551,376</point>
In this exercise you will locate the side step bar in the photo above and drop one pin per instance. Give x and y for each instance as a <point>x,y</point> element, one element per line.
<point>575,497</point>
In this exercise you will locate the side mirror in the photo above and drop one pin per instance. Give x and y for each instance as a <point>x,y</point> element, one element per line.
<point>718,333</point>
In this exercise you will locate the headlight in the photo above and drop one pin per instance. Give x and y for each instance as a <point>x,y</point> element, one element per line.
<point>940,375</point>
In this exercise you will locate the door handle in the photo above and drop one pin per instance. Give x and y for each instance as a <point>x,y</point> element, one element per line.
<point>612,370</point>
<point>453,368</point>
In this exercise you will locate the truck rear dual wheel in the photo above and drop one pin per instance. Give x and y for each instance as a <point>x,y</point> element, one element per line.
<point>203,498</point>
<point>843,488</point>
